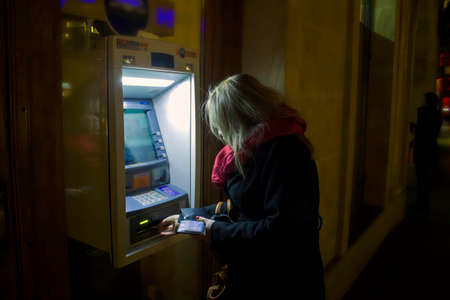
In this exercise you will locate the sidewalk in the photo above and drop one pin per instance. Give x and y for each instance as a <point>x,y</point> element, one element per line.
<point>414,260</point>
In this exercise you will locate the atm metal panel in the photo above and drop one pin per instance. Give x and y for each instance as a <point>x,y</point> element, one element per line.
<point>86,164</point>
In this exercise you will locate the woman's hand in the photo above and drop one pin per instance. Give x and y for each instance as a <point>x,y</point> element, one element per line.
<point>208,223</point>
<point>169,225</point>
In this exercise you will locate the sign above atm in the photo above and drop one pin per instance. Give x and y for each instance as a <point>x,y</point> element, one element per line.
<point>131,45</point>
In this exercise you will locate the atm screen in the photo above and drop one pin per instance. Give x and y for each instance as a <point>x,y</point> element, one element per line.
<point>139,147</point>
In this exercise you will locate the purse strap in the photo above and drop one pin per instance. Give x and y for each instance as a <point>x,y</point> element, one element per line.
<point>219,284</point>
<point>219,206</point>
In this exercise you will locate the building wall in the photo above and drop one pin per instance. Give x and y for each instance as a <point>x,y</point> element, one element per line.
<point>317,84</point>
<point>263,41</point>
<point>187,29</point>
<point>322,51</point>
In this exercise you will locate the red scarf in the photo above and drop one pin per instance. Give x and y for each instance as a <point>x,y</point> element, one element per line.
<point>224,163</point>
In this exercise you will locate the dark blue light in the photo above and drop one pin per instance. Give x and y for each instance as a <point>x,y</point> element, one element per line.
<point>135,3</point>
<point>165,17</point>
<point>85,1</point>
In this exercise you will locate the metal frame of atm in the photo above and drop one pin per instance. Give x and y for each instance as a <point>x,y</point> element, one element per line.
<point>94,140</point>
<point>140,50</point>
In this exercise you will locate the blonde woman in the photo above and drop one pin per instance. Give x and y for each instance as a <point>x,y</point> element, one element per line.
<point>271,242</point>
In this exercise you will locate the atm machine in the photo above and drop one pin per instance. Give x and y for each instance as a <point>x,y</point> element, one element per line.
<point>131,140</point>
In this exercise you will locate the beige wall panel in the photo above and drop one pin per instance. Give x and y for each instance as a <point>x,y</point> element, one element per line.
<point>187,32</point>
<point>325,15</point>
<point>263,41</point>
<point>174,273</point>
<point>316,56</point>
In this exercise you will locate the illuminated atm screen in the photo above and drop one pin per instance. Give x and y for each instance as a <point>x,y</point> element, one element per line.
<point>146,161</point>
<point>139,146</point>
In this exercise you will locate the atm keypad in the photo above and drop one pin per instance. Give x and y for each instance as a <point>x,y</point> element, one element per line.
<point>150,198</point>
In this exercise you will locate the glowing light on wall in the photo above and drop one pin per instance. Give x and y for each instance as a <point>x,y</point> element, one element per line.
<point>150,82</point>
<point>165,17</point>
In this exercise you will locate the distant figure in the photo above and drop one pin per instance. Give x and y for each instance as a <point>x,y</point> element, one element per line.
<point>429,123</point>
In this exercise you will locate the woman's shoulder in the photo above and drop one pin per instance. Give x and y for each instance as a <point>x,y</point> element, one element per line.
<point>287,146</point>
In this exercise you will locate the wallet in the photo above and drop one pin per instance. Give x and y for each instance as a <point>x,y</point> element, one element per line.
<point>190,213</point>
<point>192,227</point>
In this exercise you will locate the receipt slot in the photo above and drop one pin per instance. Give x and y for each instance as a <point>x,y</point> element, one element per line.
<point>131,142</point>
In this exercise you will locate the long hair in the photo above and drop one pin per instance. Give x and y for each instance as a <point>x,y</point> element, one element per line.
<point>237,106</point>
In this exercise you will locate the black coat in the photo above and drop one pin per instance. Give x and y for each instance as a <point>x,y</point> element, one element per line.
<point>272,247</point>
<point>429,121</point>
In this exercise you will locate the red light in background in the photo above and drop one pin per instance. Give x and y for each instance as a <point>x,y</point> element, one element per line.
<point>446,102</point>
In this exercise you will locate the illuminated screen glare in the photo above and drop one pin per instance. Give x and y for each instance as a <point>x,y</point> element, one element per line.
<point>139,147</point>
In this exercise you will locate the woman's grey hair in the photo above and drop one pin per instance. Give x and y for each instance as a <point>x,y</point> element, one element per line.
<point>237,106</point>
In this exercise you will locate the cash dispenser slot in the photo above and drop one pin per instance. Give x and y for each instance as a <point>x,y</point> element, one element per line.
<point>142,227</point>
